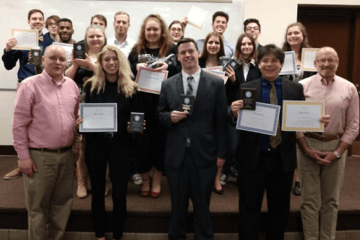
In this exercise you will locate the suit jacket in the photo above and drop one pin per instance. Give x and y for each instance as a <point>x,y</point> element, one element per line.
<point>206,127</point>
<point>251,143</point>
<point>232,88</point>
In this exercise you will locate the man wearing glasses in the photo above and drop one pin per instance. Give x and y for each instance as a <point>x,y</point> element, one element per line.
<point>45,111</point>
<point>322,155</point>
<point>252,26</point>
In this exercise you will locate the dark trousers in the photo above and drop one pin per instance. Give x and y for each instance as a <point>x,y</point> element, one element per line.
<point>268,176</point>
<point>190,182</point>
<point>99,152</point>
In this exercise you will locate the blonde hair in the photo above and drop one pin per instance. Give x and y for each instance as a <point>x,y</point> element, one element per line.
<point>165,41</point>
<point>126,85</point>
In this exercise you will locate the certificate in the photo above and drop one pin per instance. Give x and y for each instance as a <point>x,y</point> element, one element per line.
<point>196,17</point>
<point>26,39</point>
<point>217,74</point>
<point>150,80</point>
<point>263,120</point>
<point>289,66</point>
<point>307,59</point>
<point>302,116</point>
<point>68,48</point>
<point>98,117</point>
<point>216,68</point>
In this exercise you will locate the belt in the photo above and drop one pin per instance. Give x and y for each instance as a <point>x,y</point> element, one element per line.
<point>323,139</point>
<point>58,150</point>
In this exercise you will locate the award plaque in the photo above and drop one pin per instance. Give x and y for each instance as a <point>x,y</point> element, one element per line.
<point>248,95</point>
<point>187,104</point>
<point>137,122</point>
<point>232,63</point>
<point>224,61</point>
<point>79,50</point>
<point>35,57</point>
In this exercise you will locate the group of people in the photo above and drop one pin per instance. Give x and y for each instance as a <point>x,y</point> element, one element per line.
<point>194,151</point>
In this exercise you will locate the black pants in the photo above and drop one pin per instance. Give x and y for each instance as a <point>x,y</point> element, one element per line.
<point>98,153</point>
<point>190,182</point>
<point>268,176</point>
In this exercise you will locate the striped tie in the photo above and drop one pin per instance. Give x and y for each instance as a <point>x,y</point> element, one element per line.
<point>189,90</point>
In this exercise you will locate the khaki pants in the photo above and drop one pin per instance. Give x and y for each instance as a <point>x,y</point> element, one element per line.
<point>49,194</point>
<point>320,188</point>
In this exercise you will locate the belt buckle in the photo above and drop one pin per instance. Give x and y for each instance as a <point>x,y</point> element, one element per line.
<point>109,135</point>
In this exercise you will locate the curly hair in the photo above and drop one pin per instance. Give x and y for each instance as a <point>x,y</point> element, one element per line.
<point>165,41</point>
<point>205,53</point>
<point>126,85</point>
<point>304,44</point>
<point>238,53</point>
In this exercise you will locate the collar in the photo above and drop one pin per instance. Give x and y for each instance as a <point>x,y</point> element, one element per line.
<point>319,78</point>
<point>265,82</point>
<point>48,78</point>
<point>196,75</point>
<point>118,43</point>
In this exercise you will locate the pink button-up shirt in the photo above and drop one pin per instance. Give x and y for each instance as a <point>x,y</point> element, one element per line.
<point>44,114</point>
<point>341,103</point>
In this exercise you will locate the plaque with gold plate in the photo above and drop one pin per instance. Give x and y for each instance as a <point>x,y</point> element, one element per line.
<point>248,95</point>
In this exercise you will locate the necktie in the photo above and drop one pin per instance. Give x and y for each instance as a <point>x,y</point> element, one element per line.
<point>190,90</point>
<point>274,140</point>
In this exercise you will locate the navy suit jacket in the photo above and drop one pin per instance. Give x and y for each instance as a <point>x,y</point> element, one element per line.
<point>206,127</point>
<point>251,143</point>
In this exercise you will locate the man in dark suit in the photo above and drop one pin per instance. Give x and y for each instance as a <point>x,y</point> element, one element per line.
<point>266,162</point>
<point>195,144</point>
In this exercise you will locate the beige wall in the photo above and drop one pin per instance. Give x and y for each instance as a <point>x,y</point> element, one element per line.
<point>274,16</point>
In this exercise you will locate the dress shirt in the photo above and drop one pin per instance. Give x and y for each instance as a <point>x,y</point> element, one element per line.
<point>246,68</point>
<point>341,103</point>
<point>228,47</point>
<point>25,70</point>
<point>265,98</point>
<point>194,84</point>
<point>125,47</point>
<point>44,114</point>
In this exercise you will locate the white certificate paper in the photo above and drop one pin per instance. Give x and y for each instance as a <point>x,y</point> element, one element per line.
<point>289,66</point>
<point>150,80</point>
<point>26,39</point>
<point>302,116</point>
<point>98,117</point>
<point>196,16</point>
<point>68,48</point>
<point>263,120</point>
<point>307,59</point>
<point>217,74</point>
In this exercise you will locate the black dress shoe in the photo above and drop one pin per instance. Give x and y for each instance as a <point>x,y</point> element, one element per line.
<point>220,192</point>
<point>297,189</point>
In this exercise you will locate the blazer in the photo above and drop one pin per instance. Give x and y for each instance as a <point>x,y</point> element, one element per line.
<point>232,88</point>
<point>206,127</point>
<point>251,143</point>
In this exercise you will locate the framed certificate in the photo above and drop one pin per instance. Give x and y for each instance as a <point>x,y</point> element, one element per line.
<point>26,39</point>
<point>307,59</point>
<point>302,116</point>
<point>98,117</point>
<point>263,120</point>
<point>150,80</point>
<point>289,66</point>
<point>196,16</point>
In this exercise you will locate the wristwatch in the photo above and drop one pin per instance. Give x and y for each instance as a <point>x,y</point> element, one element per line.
<point>337,155</point>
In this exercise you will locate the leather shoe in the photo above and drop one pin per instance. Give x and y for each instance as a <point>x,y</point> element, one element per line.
<point>145,193</point>
<point>155,194</point>
<point>297,189</point>
<point>220,192</point>
<point>15,173</point>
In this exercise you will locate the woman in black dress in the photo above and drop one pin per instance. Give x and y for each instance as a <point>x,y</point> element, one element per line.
<point>111,83</point>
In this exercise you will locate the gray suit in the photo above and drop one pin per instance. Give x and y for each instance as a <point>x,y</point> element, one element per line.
<point>191,170</point>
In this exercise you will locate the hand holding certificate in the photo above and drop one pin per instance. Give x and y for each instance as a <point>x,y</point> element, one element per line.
<point>98,117</point>
<point>26,39</point>
<point>302,116</point>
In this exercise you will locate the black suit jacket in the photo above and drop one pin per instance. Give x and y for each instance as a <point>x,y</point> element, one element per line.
<point>206,127</point>
<point>251,143</point>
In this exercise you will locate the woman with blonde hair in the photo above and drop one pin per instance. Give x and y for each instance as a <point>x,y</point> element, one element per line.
<point>154,39</point>
<point>111,83</point>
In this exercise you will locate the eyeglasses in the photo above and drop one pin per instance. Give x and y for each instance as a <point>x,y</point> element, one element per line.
<point>176,29</point>
<point>323,61</point>
<point>54,59</point>
<point>252,28</point>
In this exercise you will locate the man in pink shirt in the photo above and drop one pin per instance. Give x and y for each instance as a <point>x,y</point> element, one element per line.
<point>46,108</point>
<point>322,156</point>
